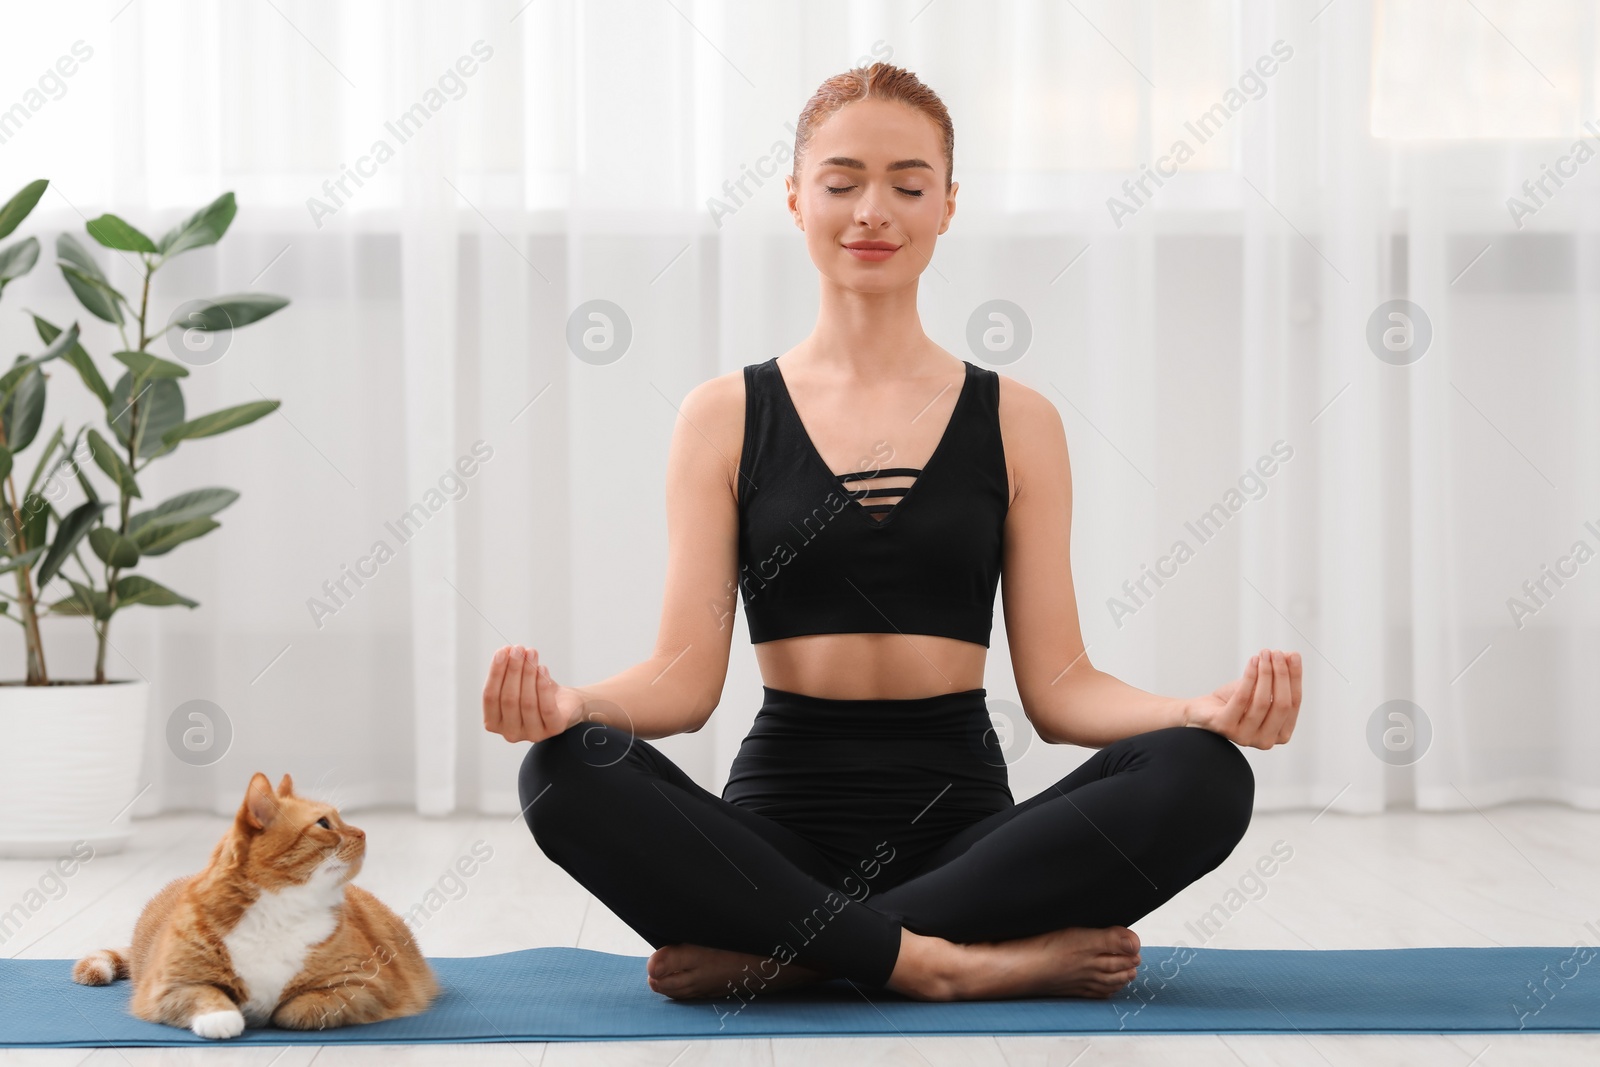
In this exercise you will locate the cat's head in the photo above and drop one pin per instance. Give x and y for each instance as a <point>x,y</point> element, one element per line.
<point>284,839</point>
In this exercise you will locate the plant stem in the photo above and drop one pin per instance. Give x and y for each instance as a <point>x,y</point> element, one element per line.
<point>144,303</point>
<point>37,675</point>
<point>103,626</point>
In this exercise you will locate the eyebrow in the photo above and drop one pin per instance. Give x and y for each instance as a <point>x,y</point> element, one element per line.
<point>856,164</point>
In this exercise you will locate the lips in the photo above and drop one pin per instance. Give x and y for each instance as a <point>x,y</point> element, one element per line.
<point>871,251</point>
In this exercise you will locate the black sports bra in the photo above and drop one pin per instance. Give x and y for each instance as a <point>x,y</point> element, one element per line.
<point>814,559</point>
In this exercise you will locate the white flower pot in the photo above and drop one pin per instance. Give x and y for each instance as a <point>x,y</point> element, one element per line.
<point>69,765</point>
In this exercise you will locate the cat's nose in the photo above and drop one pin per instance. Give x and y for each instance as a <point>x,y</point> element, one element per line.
<point>357,833</point>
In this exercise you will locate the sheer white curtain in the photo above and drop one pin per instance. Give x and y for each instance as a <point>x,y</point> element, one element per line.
<point>1196,333</point>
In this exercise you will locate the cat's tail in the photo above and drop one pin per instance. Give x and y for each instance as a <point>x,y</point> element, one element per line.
<point>101,968</point>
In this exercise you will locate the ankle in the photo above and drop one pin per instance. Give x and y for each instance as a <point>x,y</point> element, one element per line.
<point>927,967</point>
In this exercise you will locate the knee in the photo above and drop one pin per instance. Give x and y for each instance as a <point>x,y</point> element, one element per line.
<point>559,773</point>
<point>1212,776</point>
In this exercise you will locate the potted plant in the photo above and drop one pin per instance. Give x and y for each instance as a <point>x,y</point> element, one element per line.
<point>72,751</point>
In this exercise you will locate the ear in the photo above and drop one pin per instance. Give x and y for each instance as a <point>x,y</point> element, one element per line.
<point>286,786</point>
<point>260,807</point>
<point>791,193</point>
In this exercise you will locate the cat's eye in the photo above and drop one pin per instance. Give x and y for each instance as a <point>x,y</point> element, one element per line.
<point>324,823</point>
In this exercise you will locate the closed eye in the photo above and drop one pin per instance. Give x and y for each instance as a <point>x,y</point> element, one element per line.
<point>837,189</point>
<point>324,823</point>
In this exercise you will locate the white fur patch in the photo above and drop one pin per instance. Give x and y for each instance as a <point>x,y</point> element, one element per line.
<point>218,1024</point>
<point>102,967</point>
<point>269,945</point>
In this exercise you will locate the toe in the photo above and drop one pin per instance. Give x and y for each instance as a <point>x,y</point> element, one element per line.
<point>1123,940</point>
<point>664,961</point>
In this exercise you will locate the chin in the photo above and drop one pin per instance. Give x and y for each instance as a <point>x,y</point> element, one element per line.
<point>868,278</point>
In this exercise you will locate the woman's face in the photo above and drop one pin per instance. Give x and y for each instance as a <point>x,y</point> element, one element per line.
<point>871,196</point>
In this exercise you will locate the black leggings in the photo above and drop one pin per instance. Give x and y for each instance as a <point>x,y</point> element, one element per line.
<point>845,820</point>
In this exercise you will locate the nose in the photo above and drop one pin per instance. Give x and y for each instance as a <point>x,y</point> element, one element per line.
<point>358,834</point>
<point>867,213</point>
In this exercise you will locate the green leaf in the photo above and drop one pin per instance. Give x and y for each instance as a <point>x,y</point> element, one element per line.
<point>68,533</point>
<point>195,504</point>
<point>103,301</point>
<point>10,380</point>
<point>106,458</point>
<point>77,358</point>
<point>24,560</point>
<point>17,259</point>
<point>231,312</point>
<point>18,207</point>
<point>35,520</point>
<point>70,250</point>
<point>24,410</point>
<point>83,275</point>
<point>49,450</point>
<point>158,540</point>
<point>160,410</point>
<point>70,458</point>
<point>114,232</point>
<point>221,421</point>
<point>69,606</point>
<point>83,476</point>
<point>84,601</point>
<point>204,227</point>
<point>137,589</point>
<point>97,297</point>
<point>5,463</point>
<point>146,366</point>
<point>113,549</point>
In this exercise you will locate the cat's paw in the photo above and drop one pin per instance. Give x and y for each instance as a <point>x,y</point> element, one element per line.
<point>218,1024</point>
<point>309,1011</point>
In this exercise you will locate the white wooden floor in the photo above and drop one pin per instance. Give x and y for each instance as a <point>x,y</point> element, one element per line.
<point>1519,874</point>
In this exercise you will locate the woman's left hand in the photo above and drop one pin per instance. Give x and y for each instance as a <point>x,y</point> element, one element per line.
<point>1258,709</point>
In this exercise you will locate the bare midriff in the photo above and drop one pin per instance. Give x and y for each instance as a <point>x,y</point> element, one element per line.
<point>871,666</point>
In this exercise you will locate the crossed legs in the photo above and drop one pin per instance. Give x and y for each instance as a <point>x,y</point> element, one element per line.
<point>1123,833</point>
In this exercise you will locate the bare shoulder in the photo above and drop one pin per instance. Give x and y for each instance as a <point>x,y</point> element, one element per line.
<point>721,395</point>
<point>1031,431</point>
<point>1024,408</point>
<point>711,424</point>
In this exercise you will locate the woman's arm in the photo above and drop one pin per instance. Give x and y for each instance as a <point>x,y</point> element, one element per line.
<point>1102,708</point>
<point>1065,697</point>
<point>677,687</point>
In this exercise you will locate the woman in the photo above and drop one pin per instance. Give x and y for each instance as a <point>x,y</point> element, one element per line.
<point>866,490</point>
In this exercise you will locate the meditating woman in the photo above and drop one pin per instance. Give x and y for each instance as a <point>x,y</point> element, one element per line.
<point>863,494</point>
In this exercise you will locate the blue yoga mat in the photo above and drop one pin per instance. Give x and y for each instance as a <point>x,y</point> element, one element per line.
<point>569,994</point>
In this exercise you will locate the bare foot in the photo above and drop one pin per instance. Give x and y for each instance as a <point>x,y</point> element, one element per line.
<point>690,972</point>
<point>1074,962</point>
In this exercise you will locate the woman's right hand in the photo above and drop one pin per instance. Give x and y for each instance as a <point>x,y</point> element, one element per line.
<point>521,702</point>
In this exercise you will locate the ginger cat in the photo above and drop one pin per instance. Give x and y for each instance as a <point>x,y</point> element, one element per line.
<point>271,931</point>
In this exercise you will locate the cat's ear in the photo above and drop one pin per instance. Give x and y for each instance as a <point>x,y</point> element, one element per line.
<point>260,807</point>
<point>286,786</point>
